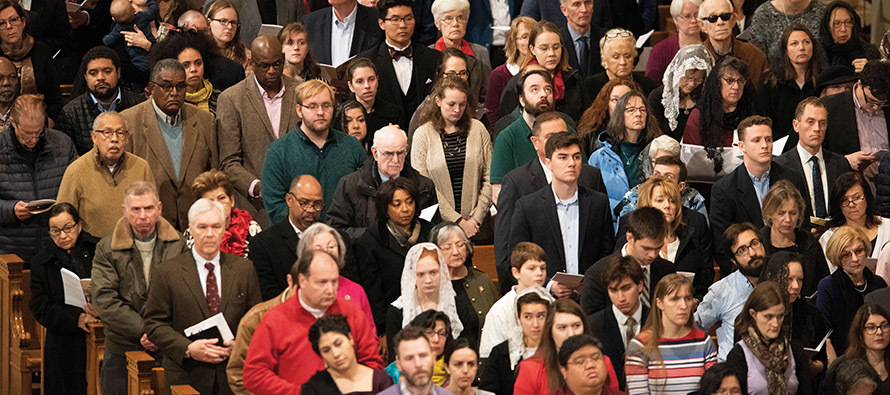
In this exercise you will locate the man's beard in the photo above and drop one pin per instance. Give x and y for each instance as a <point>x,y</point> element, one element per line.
<point>312,128</point>
<point>753,270</point>
<point>108,95</point>
<point>539,108</point>
<point>7,96</point>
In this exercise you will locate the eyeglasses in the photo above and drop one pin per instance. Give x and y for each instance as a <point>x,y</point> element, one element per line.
<point>732,81</point>
<point>713,18</point>
<point>544,48</point>
<point>849,254</point>
<point>429,333</point>
<point>583,360</point>
<point>308,205</point>
<point>11,22</point>
<point>266,66</point>
<point>622,34</point>
<point>635,110</point>
<point>462,74</point>
<point>686,17</point>
<point>227,23</point>
<point>397,20</point>
<point>746,249</point>
<point>30,136</point>
<point>55,232</point>
<point>324,106</point>
<point>852,201</point>
<point>108,132</point>
<point>168,87</point>
<point>394,154</point>
<point>460,245</point>
<point>847,24</point>
<point>873,329</point>
<point>449,20</point>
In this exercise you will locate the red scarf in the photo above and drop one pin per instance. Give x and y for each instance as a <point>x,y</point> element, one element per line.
<point>235,239</point>
<point>559,86</point>
<point>464,46</point>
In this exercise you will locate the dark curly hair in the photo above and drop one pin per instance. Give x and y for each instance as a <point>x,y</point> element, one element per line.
<point>876,76</point>
<point>841,186</point>
<point>336,323</point>
<point>176,42</point>
<point>714,121</point>
<point>340,122</point>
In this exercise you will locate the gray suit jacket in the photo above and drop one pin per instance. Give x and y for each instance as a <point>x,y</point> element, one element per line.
<point>245,133</point>
<point>199,154</point>
<point>249,15</point>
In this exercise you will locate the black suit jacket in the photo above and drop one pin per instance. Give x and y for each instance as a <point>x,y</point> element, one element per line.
<point>520,182</point>
<point>835,165</point>
<point>594,62</point>
<point>535,220</point>
<point>595,297</point>
<point>842,135</point>
<point>423,73</point>
<point>273,252</point>
<point>733,201</point>
<point>695,254</point>
<point>52,24</point>
<point>366,35</point>
<point>604,326</point>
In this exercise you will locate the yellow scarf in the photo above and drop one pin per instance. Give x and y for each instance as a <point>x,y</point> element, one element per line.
<point>201,98</point>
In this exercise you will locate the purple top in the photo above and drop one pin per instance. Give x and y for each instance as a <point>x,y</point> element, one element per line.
<point>350,291</point>
<point>757,384</point>
<point>662,54</point>
<point>496,83</point>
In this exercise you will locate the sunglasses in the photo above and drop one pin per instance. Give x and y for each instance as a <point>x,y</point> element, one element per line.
<point>713,18</point>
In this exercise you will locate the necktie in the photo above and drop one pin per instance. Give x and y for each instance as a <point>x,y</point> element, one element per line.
<point>212,290</point>
<point>818,190</point>
<point>583,58</point>
<point>396,54</point>
<point>645,296</point>
<point>629,332</point>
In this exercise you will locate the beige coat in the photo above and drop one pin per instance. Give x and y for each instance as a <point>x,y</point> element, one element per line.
<point>245,133</point>
<point>428,158</point>
<point>199,154</point>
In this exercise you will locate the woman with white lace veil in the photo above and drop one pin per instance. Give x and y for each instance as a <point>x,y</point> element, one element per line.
<point>426,285</point>
<point>683,79</point>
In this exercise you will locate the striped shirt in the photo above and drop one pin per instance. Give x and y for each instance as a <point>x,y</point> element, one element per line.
<point>685,360</point>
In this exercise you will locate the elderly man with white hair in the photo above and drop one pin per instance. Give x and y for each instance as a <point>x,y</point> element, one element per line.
<point>685,14</point>
<point>717,18</point>
<point>352,207</point>
<point>201,283</point>
<point>451,17</point>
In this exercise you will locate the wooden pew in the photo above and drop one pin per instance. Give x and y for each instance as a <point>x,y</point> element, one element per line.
<point>483,259</point>
<point>21,337</point>
<point>95,354</point>
<point>183,390</point>
<point>142,376</point>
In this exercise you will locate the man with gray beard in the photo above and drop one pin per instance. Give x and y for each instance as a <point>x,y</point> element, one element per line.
<point>9,89</point>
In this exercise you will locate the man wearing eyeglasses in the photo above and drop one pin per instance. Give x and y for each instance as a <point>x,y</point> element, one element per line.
<point>726,298</point>
<point>341,31</point>
<point>33,162</point>
<point>406,69</point>
<point>717,20</point>
<point>352,207</point>
<point>252,114</point>
<point>274,250</point>
<point>857,121</point>
<point>176,138</point>
<point>312,148</point>
<point>96,182</point>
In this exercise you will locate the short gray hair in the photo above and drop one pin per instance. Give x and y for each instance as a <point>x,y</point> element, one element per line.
<point>166,64</point>
<point>444,230</point>
<point>102,116</point>
<point>440,7</point>
<point>677,6</point>
<point>664,142</point>
<point>305,244</point>
<point>204,205</point>
<point>614,31</point>
<point>141,188</point>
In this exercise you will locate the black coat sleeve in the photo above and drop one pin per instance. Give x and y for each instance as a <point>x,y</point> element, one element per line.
<point>503,223</point>
<point>369,272</point>
<point>393,326</point>
<point>497,376</point>
<point>262,262</point>
<point>47,299</point>
<point>736,361</point>
<point>593,294</point>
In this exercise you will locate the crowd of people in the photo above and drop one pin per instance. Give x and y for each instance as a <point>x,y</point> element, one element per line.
<point>712,218</point>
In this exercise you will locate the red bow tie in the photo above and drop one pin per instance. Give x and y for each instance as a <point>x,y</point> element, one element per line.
<point>396,54</point>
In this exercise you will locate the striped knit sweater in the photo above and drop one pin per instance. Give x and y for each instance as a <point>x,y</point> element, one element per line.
<point>685,360</point>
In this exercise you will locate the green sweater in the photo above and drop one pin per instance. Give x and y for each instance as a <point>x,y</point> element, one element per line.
<point>513,148</point>
<point>295,154</point>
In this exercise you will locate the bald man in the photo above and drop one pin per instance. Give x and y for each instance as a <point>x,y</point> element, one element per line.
<point>352,207</point>
<point>252,114</point>
<point>274,250</point>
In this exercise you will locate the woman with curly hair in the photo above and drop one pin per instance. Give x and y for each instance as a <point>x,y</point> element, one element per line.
<point>351,119</point>
<point>225,27</point>
<point>793,73</point>
<point>727,98</point>
<point>596,117</point>
<point>298,63</point>
<point>197,54</point>
<point>240,226</point>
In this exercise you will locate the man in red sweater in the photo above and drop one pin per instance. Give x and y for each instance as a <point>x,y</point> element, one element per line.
<point>280,358</point>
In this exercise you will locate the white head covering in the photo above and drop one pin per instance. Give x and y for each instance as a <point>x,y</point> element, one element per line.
<point>407,301</point>
<point>515,343</point>
<point>690,57</point>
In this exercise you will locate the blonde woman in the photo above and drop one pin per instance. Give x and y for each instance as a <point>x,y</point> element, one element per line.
<point>669,355</point>
<point>516,49</point>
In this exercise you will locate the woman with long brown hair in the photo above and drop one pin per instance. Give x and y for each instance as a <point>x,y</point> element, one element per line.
<point>540,374</point>
<point>225,27</point>
<point>517,52</point>
<point>869,337</point>
<point>670,353</point>
<point>596,117</point>
<point>454,150</point>
<point>298,63</point>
